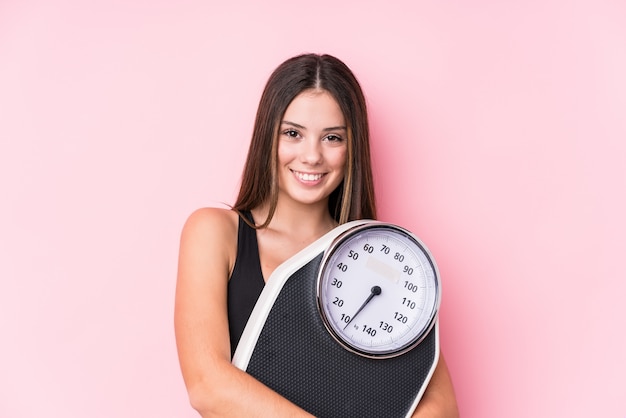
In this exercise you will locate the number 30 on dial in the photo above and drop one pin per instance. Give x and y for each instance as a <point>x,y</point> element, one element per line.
<point>378,290</point>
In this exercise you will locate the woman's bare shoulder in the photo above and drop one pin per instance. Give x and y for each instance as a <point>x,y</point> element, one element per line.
<point>211,232</point>
<point>211,220</point>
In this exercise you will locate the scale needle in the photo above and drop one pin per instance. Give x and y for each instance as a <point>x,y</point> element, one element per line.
<point>376,290</point>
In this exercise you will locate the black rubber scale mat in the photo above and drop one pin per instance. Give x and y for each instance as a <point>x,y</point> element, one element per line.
<point>297,357</point>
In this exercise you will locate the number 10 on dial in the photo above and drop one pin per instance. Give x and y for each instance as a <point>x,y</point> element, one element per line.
<point>378,290</point>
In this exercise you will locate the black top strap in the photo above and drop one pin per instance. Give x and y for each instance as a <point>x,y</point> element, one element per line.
<point>246,282</point>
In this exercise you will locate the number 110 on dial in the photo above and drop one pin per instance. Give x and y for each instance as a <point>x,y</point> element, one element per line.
<point>378,290</point>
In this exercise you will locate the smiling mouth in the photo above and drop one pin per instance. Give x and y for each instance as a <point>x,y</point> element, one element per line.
<point>308,176</point>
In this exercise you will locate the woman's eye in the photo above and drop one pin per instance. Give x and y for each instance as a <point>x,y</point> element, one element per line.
<point>291,133</point>
<point>334,138</point>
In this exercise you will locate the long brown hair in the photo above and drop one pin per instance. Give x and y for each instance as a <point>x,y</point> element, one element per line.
<point>354,198</point>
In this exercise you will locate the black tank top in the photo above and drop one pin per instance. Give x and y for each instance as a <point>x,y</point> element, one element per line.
<point>245,283</point>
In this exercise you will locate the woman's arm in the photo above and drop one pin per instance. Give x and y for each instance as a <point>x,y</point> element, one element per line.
<point>216,388</point>
<point>438,400</point>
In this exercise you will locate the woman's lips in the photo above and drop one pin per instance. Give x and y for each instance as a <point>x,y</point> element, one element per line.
<point>308,177</point>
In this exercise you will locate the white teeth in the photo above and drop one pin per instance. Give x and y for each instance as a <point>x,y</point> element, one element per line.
<point>307,176</point>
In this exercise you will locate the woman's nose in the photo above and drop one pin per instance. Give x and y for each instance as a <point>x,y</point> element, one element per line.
<point>311,151</point>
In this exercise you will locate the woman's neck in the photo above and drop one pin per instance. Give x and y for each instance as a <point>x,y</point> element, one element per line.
<point>298,219</point>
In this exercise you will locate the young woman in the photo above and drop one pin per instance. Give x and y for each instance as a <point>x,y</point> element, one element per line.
<point>308,170</point>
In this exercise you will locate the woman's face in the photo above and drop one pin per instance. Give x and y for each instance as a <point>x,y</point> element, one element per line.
<point>312,148</point>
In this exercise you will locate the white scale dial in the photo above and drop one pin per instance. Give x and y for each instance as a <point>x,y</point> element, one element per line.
<point>378,290</point>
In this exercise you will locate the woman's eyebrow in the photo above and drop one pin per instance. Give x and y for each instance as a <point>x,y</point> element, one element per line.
<point>335,128</point>
<point>296,125</point>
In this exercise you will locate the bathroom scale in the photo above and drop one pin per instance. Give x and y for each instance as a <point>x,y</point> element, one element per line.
<point>348,326</point>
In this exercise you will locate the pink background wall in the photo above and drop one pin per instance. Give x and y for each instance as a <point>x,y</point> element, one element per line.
<point>499,138</point>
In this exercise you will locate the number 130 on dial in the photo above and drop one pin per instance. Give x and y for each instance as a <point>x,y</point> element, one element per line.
<point>378,290</point>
